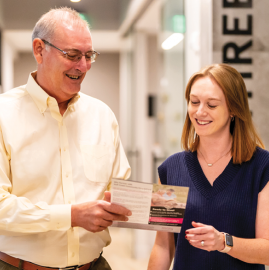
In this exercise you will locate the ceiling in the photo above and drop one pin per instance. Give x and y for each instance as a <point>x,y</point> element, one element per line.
<point>102,14</point>
<point>109,19</point>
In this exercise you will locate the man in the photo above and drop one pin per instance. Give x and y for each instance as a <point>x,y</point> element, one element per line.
<point>59,150</point>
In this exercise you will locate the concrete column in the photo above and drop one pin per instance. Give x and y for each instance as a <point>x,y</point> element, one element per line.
<point>141,119</point>
<point>125,100</point>
<point>143,240</point>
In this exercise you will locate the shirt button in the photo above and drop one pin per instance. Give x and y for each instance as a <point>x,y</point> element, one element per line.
<point>73,254</point>
<point>69,202</point>
<point>64,149</point>
<point>66,175</point>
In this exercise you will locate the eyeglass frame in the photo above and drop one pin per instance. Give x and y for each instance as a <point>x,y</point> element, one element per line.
<point>66,53</point>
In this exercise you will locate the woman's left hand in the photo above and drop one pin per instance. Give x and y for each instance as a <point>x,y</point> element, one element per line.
<point>205,237</point>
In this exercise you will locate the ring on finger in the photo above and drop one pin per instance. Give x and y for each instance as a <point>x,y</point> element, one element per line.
<point>202,243</point>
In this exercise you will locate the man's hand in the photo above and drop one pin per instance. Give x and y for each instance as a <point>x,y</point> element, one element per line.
<point>96,216</point>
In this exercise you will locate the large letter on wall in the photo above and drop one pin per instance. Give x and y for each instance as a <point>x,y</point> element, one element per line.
<point>236,30</point>
<point>237,4</point>
<point>237,50</point>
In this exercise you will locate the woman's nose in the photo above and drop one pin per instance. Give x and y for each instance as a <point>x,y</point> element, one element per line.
<point>201,110</point>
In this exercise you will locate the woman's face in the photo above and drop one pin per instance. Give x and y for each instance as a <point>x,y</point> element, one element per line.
<point>208,110</point>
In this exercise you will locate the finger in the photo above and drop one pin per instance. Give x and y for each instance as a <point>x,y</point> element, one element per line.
<point>102,223</point>
<point>119,218</point>
<point>198,244</point>
<point>113,217</point>
<point>197,224</point>
<point>98,229</point>
<point>117,209</point>
<point>107,196</point>
<point>196,237</point>
<point>199,228</point>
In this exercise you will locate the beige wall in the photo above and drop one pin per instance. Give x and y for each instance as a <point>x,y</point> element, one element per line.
<point>23,65</point>
<point>1,14</point>
<point>101,82</point>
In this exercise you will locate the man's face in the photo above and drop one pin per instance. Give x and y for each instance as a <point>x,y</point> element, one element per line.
<point>59,76</point>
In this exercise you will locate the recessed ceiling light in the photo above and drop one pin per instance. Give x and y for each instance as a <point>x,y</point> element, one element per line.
<point>172,41</point>
<point>75,1</point>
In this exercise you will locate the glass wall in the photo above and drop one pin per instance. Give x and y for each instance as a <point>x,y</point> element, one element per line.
<point>155,77</point>
<point>171,102</point>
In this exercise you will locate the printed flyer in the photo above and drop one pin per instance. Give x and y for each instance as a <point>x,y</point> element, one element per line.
<point>154,206</point>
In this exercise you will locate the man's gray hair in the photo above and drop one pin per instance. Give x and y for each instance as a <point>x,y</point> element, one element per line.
<point>47,24</point>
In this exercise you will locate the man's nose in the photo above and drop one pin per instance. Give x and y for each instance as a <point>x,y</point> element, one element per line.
<point>83,65</point>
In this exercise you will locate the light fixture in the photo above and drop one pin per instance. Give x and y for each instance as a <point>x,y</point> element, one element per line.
<point>75,1</point>
<point>172,41</point>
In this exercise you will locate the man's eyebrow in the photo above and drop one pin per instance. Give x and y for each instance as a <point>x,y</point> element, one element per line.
<point>76,50</point>
<point>71,49</point>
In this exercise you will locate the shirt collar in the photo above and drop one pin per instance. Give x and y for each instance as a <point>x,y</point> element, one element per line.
<point>40,97</point>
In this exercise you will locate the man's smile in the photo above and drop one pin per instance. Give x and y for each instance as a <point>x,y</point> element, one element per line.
<point>73,77</point>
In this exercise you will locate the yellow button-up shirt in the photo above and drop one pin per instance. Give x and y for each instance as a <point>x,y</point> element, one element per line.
<point>48,162</point>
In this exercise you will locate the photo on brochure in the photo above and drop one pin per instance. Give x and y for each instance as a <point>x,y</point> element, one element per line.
<point>154,206</point>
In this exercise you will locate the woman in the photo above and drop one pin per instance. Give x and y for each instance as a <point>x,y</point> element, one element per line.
<point>227,171</point>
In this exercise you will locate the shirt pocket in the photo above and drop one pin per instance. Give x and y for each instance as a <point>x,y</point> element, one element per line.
<point>97,161</point>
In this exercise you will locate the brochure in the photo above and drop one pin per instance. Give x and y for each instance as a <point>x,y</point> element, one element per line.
<point>154,206</point>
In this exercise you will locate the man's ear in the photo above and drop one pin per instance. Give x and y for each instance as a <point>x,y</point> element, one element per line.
<point>38,48</point>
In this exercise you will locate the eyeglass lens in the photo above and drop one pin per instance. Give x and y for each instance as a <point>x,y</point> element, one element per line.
<point>76,56</point>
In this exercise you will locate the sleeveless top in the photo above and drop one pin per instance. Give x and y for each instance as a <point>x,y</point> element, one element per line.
<point>230,205</point>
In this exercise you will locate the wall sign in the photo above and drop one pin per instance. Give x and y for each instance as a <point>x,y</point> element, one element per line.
<point>241,39</point>
<point>236,31</point>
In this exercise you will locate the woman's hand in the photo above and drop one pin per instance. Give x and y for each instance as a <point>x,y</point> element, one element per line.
<point>205,237</point>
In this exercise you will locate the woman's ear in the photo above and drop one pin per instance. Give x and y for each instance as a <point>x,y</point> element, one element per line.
<point>38,48</point>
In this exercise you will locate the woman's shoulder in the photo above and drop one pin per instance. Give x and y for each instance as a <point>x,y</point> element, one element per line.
<point>261,156</point>
<point>177,156</point>
<point>259,167</point>
<point>172,165</point>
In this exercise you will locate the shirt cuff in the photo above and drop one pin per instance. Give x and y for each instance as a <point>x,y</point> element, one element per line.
<point>60,217</point>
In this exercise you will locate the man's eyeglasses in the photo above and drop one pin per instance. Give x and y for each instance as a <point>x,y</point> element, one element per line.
<point>76,55</point>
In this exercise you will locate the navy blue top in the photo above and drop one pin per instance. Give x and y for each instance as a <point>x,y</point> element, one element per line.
<point>230,205</point>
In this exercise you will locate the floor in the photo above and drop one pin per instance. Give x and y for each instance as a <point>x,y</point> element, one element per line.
<point>119,253</point>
